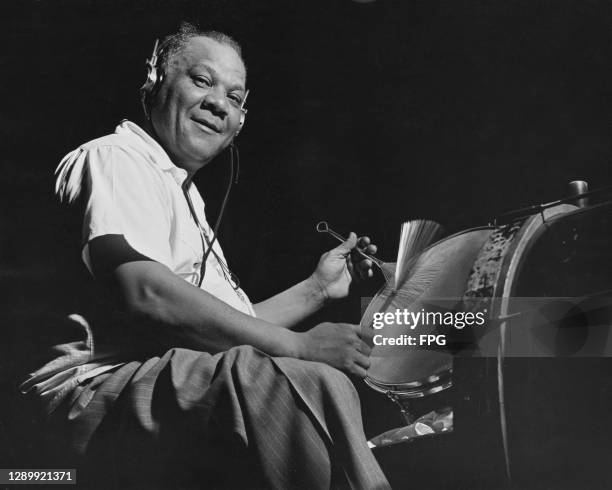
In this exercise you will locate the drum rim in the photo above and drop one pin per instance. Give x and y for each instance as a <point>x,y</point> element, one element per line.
<point>423,382</point>
<point>525,239</point>
<point>439,382</point>
<point>531,229</point>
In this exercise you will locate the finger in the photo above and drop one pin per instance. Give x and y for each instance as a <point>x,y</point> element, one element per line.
<point>363,241</point>
<point>361,264</point>
<point>365,349</point>
<point>367,335</point>
<point>364,271</point>
<point>358,371</point>
<point>351,267</point>
<point>362,360</point>
<point>345,247</point>
<point>360,257</point>
<point>371,249</point>
<point>364,265</point>
<point>363,274</point>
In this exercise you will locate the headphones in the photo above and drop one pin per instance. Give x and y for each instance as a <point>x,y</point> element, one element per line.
<point>154,80</point>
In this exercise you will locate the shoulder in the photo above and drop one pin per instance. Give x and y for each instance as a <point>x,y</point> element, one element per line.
<point>123,154</point>
<point>123,143</point>
<point>112,140</point>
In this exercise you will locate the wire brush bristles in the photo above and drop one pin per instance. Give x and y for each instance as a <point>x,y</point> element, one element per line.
<point>416,235</point>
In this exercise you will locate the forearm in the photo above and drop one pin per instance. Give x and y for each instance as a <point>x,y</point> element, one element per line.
<point>187,316</point>
<point>290,307</point>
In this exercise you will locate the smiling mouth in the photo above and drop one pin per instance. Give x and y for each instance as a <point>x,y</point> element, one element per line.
<point>207,126</point>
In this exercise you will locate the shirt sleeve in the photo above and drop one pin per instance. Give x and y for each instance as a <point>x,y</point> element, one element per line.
<point>124,194</point>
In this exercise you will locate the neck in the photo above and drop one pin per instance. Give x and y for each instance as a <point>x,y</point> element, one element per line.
<point>190,168</point>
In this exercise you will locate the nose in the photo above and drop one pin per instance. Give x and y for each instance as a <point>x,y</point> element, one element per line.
<point>216,102</point>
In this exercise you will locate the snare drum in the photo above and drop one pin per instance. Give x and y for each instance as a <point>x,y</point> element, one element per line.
<point>441,271</point>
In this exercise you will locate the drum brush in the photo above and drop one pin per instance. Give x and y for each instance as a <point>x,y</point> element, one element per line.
<point>386,269</point>
<point>415,236</point>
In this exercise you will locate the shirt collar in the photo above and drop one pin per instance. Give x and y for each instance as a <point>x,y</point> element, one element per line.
<point>152,147</point>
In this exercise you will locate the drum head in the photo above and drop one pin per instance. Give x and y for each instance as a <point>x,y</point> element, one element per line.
<point>440,272</point>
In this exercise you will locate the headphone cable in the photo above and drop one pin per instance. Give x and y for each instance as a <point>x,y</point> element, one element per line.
<point>232,180</point>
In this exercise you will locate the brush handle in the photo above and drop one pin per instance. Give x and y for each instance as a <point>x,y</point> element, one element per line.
<point>323,227</point>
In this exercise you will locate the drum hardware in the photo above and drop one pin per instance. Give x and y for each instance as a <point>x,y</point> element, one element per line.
<point>403,405</point>
<point>538,208</point>
<point>433,423</point>
<point>578,187</point>
<point>417,389</point>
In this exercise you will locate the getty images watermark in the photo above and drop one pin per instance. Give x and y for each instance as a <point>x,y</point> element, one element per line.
<point>479,327</point>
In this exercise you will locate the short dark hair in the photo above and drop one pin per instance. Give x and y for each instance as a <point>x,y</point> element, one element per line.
<point>174,43</point>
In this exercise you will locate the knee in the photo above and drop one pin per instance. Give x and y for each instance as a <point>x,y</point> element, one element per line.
<point>250,362</point>
<point>334,378</point>
<point>246,361</point>
<point>321,377</point>
<point>325,373</point>
<point>244,354</point>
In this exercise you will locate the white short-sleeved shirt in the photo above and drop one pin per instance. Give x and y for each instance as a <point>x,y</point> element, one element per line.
<point>133,189</point>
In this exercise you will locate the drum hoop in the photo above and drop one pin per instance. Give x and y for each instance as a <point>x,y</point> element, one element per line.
<point>402,390</point>
<point>514,258</point>
<point>424,382</point>
<point>511,266</point>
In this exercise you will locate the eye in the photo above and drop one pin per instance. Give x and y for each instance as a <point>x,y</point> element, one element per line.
<point>202,81</point>
<point>235,99</point>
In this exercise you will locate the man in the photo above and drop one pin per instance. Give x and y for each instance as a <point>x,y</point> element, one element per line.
<point>196,385</point>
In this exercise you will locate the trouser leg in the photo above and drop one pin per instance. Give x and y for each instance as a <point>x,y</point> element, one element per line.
<point>304,421</point>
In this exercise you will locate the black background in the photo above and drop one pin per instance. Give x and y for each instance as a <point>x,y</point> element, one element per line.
<point>362,114</point>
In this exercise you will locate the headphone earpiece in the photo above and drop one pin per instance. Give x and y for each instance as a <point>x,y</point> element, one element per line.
<point>243,113</point>
<point>153,76</point>
<point>151,69</point>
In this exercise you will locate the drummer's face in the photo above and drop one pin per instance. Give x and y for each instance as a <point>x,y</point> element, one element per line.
<point>197,110</point>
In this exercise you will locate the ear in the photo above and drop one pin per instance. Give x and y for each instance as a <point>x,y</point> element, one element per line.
<point>241,122</point>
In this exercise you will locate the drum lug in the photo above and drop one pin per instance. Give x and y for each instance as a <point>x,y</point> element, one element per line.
<point>403,404</point>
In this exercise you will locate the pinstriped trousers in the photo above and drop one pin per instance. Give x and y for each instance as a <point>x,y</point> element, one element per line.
<point>238,419</point>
